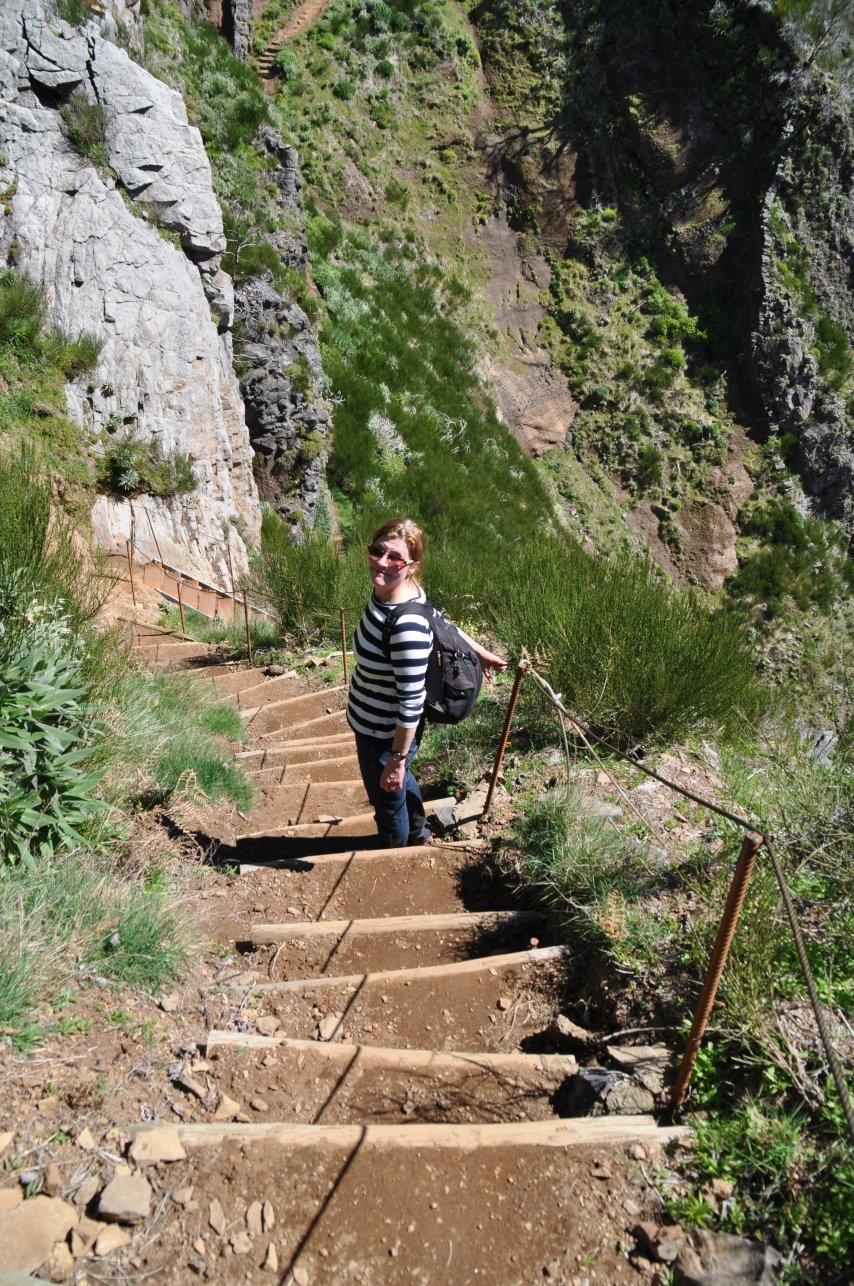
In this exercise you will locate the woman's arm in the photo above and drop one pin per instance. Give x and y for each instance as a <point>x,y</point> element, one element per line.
<point>489,660</point>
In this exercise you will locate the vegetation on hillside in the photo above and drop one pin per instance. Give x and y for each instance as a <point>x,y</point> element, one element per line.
<point>379,98</point>
<point>87,739</point>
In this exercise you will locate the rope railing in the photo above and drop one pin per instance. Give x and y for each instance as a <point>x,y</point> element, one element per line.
<point>754,841</point>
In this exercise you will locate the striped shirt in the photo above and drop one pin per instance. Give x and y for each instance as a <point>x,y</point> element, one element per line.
<point>386,693</point>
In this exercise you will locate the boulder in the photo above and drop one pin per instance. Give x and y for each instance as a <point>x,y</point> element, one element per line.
<point>29,1232</point>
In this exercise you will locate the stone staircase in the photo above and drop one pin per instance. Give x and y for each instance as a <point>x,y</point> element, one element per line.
<point>300,20</point>
<point>384,1097</point>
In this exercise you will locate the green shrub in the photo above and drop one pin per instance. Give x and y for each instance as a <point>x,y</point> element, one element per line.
<point>582,871</point>
<point>73,914</point>
<point>168,740</point>
<point>23,311</point>
<point>385,68</point>
<point>834,353</point>
<point>300,575</point>
<point>131,466</point>
<point>86,123</point>
<point>42,561</point>
<point>344,89</point>
<point>799,560</point>
<point>286,64</point>
<point>75,12</point>
<point>644,661</point>
<point>46,791</point>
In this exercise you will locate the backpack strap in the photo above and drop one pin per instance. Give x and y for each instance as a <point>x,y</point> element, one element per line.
<point>424,610</point>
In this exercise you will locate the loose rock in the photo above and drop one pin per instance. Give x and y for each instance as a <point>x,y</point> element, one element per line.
<point>29,1232</point>
<point>153,1146</point>
<point>111,1239</point>
<point>271,1262</point>
<point>216,1217</point>
<point>227,1109</point>
<point>718,1259</point>
<point>254,1219</point>
<point>126,1200</point>
<point>267,1025</point>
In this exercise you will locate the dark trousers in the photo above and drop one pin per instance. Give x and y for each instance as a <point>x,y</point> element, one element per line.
<point>399,813</point>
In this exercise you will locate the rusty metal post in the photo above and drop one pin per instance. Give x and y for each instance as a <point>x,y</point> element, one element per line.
<point>130,571</point>
<point>181,605</point>
<point>343,642</point>
<point>726,931</point>
<point>246,620</point>
<point>231,577</point>
<point>521,671</point>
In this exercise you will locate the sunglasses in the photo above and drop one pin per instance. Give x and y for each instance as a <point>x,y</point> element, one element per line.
<point>394,561</point>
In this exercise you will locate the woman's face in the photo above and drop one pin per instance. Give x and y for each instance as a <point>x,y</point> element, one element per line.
<point>389,563</point>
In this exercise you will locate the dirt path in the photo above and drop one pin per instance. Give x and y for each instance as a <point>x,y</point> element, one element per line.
<point>361,1090</point>
<point>301,19</point>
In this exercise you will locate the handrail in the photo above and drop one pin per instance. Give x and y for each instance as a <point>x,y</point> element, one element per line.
<point>753,842</point>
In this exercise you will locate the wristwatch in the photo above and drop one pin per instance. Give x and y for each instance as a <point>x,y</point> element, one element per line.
<point>398,756</point>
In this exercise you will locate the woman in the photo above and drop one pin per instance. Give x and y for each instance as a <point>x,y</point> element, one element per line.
<point>386,704</point>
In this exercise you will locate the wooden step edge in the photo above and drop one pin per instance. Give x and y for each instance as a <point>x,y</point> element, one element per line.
<point>297,727</point>
<point>340,738</point>
<point>557,1133</point>
<point>300,696</point>
<point>361,855</point>
<point>320,830</point>
<point>553,1065</point>
<point>480,964</point>
<point>285,702</point>
<point>262,935</point>
<point>157,644</point>
<point>343,783</point>
<point>293,770</point>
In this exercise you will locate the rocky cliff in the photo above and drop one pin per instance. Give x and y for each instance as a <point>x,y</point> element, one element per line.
<point>130,248</point>
<point>805,322</point>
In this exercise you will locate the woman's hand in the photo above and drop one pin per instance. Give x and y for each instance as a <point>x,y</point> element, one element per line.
<point>392,775</point>
<point>491,664</point>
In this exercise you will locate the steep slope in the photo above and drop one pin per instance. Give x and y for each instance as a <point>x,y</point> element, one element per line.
<point>127,239</point>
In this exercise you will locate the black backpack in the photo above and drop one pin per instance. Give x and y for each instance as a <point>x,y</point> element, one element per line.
<point>454,672</point>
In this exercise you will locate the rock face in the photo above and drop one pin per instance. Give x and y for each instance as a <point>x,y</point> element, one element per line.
<point>808,296</point>
<point>136,259</point>
<point>279,360</point>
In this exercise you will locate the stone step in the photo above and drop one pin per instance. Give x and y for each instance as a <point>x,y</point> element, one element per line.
<point>268,689</point>
<point>310,750</point>
<point>373,883</point>
<point>320,770</point>
<point>433,1204</point>
<point>290,712</point>
<point>350,825</point>
<point>172,651</point>
<point>493,1003</point>
<point>308,1081</point>
<point>308,949</point>
<point>304,802</point>
<point>250,677</point>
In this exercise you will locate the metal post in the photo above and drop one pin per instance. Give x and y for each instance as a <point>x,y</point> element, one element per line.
<point>130,571</point>
<point>231,577</point>
<point>246,619</point>
<point>726,931</point>
<point>521,671</point>
<point>181,606</point>
<point>343,642</point>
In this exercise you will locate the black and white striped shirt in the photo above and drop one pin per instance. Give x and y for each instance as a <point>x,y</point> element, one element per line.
<point>383,692</point>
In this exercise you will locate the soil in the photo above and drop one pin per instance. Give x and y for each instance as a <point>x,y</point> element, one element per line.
<point>367,1000</point>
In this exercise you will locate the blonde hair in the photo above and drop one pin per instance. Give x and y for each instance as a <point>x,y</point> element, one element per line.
<point>402,529</point>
